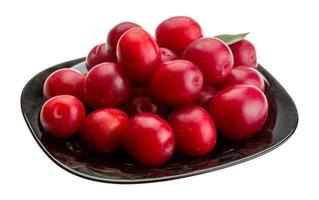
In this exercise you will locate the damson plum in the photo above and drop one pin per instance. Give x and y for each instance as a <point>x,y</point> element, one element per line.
<point>176,33</point>
<point>177,82</point>
<point>205,95</point>
<point>114,35</point>
<point>106,86</point>
<point>149,139</point>
<point>213,56</point>
<point>64,81</point>
<point>142,101</point>
<point>244,53</point>
<point>167,55</point>
<point>244,75</point>
<point>103,128</point>
<point>138,54</point>
<point>97,55</point>
<point>239,111</point>
<point>62,115</point>
<point>194,130</point>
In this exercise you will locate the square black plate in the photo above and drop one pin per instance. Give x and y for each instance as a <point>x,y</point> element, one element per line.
<point>119,168</point>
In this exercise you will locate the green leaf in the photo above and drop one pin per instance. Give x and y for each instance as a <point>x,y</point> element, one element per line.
<point>231,39</point>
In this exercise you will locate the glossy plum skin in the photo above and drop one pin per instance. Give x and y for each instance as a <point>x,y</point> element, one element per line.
<point>103,128</point>
<point>138,54</point>
<point>149,139</point>
<point>142,101</point>
<point>239,111</point>
<point>176,33</point>
<point>244,53</point>
<point>213,56</point>
<point>114,35</point>
<point>176,82</point>
<point>205,95</point>
<point>194,130</point>
<point>167,55</point>
<point>244,75</point>
<point>97,55</point>
<point>106,86</point>
<point>64,81</point>
<point>62,116</point>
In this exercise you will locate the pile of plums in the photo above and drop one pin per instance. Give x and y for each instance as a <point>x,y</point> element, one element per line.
<point>153,96</point>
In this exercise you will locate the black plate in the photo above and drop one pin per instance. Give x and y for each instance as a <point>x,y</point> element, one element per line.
<point>119,168</point>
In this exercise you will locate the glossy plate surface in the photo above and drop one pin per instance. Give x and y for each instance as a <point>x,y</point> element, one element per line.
<point>119,168</point>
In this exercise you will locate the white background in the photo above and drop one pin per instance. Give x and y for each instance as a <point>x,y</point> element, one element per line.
<point>37,34</point>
